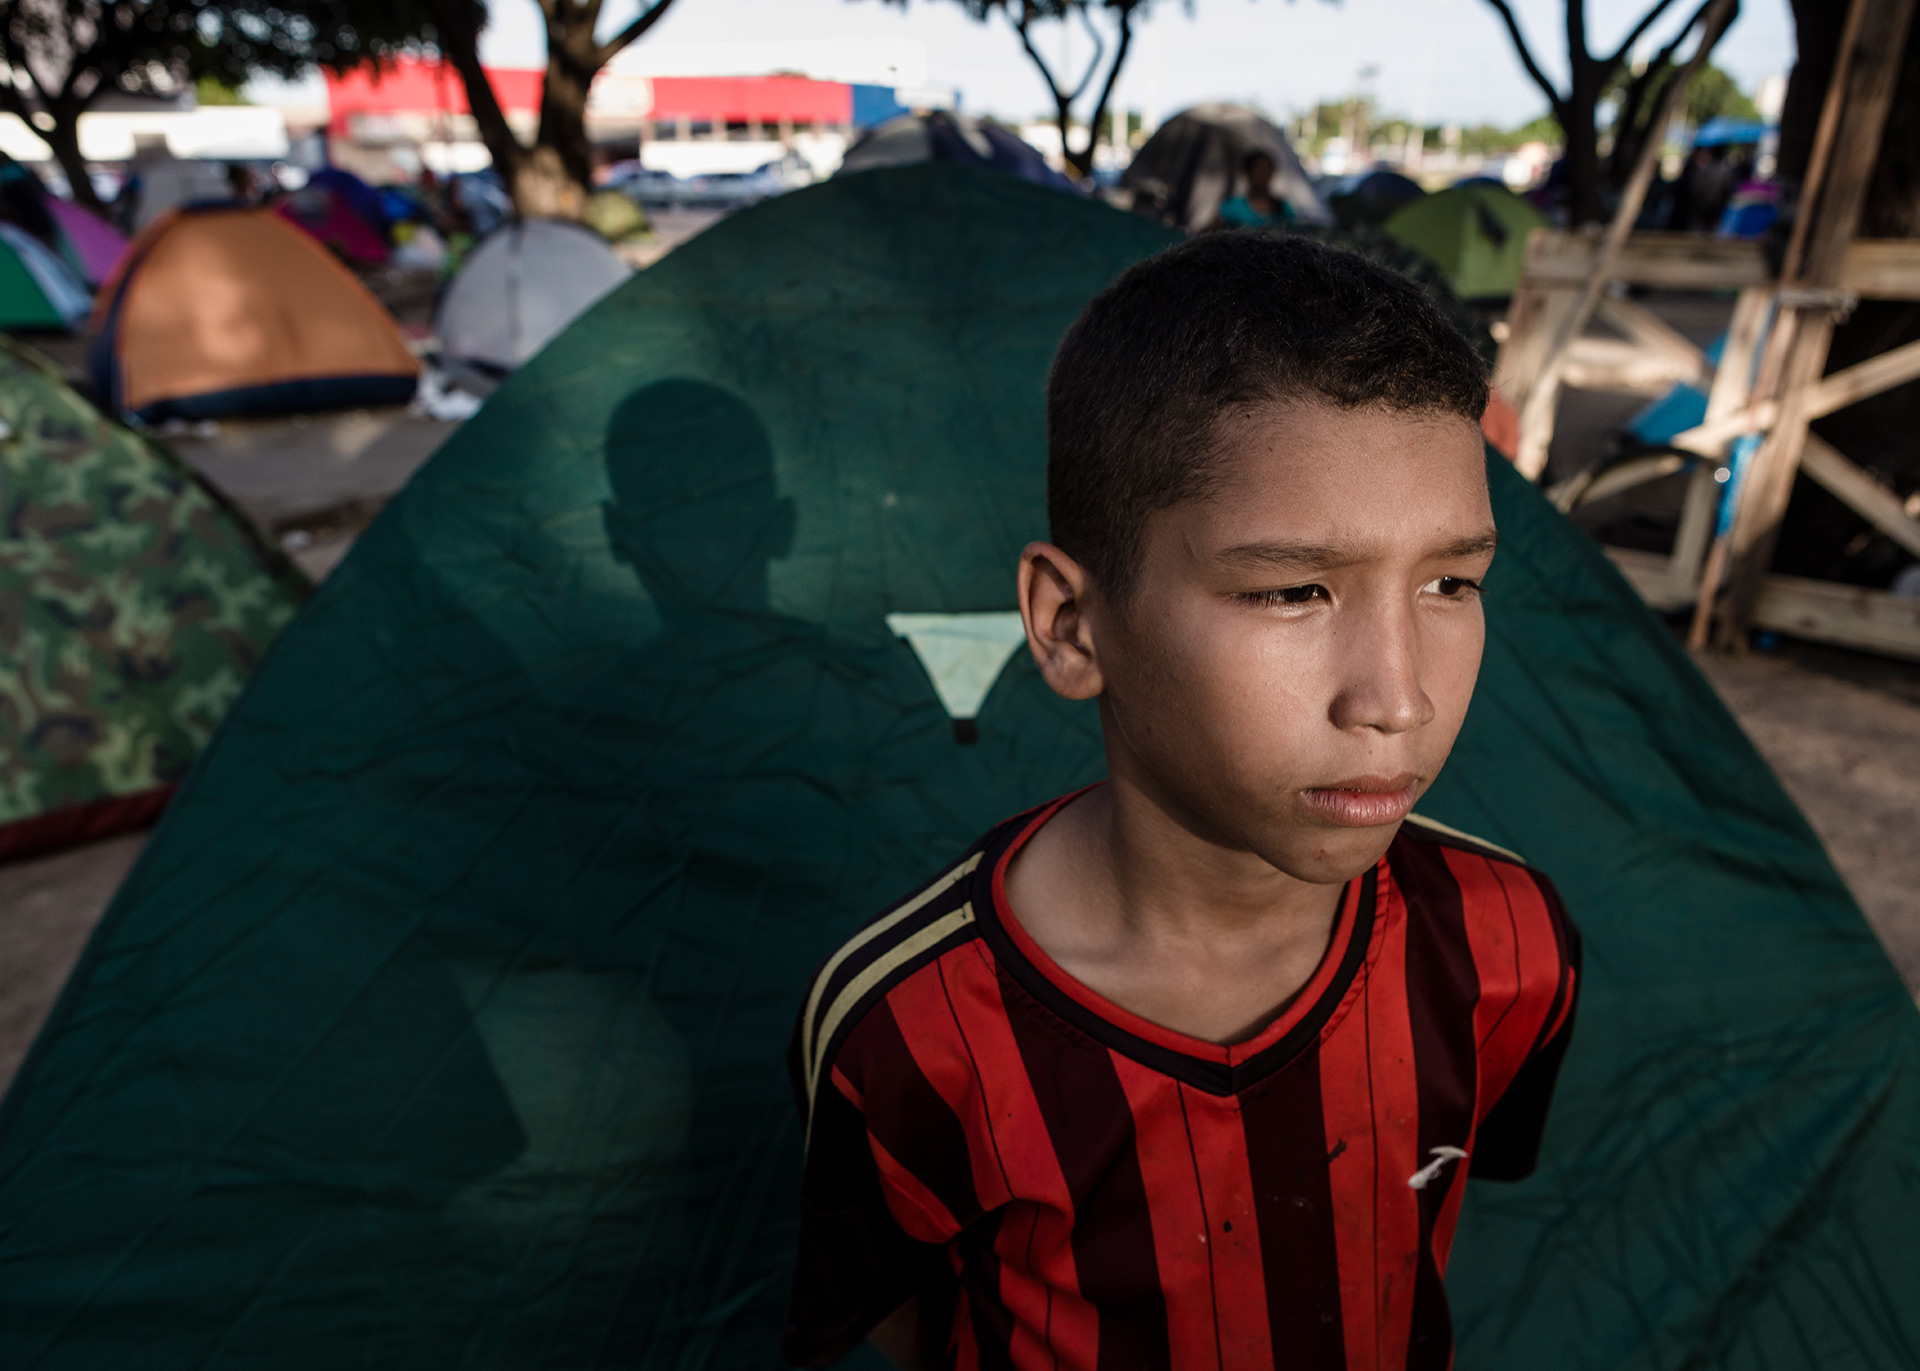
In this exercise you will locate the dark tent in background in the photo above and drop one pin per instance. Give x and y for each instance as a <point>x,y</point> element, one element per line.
<point>1191,166</point>
<point>133,606</point>
<point>443,1021</point>
<point>1370,198</point>
<point>330,217</point>
<point>1475,234</point>
<point>227,310</point>
<point>909,139</point>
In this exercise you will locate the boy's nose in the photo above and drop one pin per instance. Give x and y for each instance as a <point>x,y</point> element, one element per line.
<point>1380,680</point>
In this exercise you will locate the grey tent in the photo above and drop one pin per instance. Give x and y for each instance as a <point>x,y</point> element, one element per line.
<point>1191,166</point>
<point>908,139</point>
<point>522,286</point>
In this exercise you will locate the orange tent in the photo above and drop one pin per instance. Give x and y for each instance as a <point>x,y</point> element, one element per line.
<point>225,310</point>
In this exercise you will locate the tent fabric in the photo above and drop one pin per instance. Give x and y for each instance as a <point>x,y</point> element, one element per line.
<point>443,1021</point>
<point>329,216</point>
<point>521,287</point>
<point>230,310</point>
<point>942,136</point>
<point>1371,198</point>
<point>133,606</point>
<point>94,245</point>
<point>1476,235</point>
<point>1191,166</point>
<point>366,202</point>
<point>37,290</point>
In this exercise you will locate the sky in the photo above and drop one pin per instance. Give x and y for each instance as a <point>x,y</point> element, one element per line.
<point>1438,60</point>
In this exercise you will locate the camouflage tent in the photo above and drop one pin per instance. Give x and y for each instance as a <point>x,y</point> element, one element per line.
<point>133,605</point>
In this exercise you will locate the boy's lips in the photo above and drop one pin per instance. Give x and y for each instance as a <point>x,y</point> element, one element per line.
<point>1364,801</point>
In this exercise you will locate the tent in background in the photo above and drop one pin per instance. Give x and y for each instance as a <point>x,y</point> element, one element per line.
<point>133,606</point>
<point>366,202</point>
<point>329,216</point>
<point>37,289</point>
<point>1191,166</point>
<point>909,139</point>
<point>444,1020</point>
<point>1371,198</point>
<point>227,310</point>
<point>93,245</point>
<point>520,287</point>
<point>1476,235</point>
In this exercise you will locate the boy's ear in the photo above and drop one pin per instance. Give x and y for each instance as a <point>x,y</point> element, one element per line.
<point>1055,592</point>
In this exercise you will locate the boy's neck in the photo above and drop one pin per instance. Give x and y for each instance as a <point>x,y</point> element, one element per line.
<point>1140,902</point>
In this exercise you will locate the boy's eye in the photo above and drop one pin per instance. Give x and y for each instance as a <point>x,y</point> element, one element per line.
<point>1292,595</point>
<point>1452,587</point>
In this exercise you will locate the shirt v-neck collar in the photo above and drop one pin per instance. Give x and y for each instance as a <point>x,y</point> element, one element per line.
<point>1217,1068</point>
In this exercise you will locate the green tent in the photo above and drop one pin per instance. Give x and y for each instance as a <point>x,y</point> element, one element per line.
<point>37,290</point>
<point>442,1023</point>
<point>1476,234</point>
<point>133,605</point>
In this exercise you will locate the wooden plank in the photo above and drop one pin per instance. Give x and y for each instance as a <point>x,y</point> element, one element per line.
<point>1647,573</point>
<point>1537,416</point>
<point>1860,492</point>
<point>1615,364</point>
<point>1842,388</point>
<point>1865,76</point>
<point>1882,269</point>
<point>1535,320</point>
<point>1563,259</point>
<point>1819,611</point>
<point>1657,337</point>
<point>1873,269</point>
<point>1850,616</point>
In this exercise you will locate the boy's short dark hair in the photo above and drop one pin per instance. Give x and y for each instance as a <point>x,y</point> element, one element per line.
<point>1228,319</point>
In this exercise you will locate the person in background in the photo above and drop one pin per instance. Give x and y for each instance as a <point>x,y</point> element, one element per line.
<point>1258,205</point>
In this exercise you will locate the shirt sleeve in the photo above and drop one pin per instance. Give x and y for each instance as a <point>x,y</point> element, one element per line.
<point>855,1264</point>
<point>1507,1145</point>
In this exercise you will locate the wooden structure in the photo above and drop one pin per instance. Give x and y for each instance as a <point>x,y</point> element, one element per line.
<point>1767,387</point>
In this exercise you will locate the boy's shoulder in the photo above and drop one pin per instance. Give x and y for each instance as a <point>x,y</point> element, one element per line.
<point>915,930</point>
<point>1420,829</point>
<point>1487,887</point>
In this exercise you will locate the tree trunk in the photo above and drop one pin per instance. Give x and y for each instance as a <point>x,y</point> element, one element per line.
<point>1580,126</point>
<point>63,139</point>
<point>559,174</point>
<point>457,26</point>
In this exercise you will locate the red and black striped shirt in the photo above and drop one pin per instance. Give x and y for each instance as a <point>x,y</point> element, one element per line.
<point>1085,1189</point>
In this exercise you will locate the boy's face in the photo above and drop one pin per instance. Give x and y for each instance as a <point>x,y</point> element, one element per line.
<point>1301,644</point>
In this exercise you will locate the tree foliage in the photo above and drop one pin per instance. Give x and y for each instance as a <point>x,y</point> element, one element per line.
<point>61,56</point>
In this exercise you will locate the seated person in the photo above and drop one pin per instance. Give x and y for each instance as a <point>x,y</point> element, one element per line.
<point>1189,1067</point>
<point>1258,205</point>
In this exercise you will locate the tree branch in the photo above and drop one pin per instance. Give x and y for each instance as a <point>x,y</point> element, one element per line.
<point>1046,72</point>
<point>1554,98</point>
<point>639,26</point>
<point>1647,21</point>
<point>1099,51</point>
<point>1577,52</point>
<point>1113,75</point>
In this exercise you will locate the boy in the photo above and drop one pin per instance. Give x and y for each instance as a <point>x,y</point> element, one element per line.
<point>1188,1069</point>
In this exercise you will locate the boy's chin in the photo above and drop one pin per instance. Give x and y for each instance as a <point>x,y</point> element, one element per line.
<point>1331,856</point>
